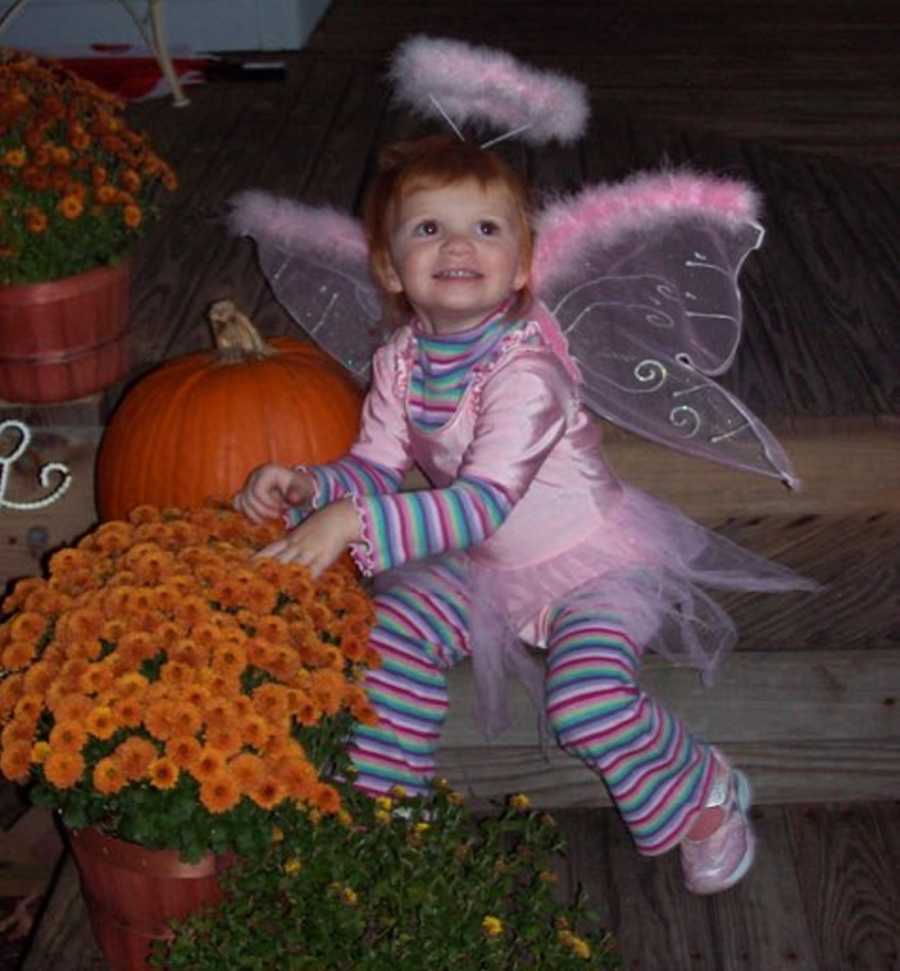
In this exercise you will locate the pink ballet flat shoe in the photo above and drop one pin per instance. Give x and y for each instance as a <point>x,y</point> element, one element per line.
<point>716,863</point>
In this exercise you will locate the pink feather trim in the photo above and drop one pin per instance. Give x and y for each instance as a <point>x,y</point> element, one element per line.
<point>474,83</point>
<point>603,213</point>
<point>296,227</point>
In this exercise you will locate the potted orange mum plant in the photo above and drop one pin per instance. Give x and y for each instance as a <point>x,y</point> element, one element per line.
<point>78,186</point>
<point>178,703</point>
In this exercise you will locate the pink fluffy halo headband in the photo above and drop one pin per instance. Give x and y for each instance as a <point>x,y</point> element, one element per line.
<point>463,83</point>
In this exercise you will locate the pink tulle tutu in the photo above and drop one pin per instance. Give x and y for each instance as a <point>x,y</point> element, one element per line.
<point>648,566</point>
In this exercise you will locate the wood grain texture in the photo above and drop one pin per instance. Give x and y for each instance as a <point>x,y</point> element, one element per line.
<point>851,885</point>
<point>761,924</point>
<point>63,939</point>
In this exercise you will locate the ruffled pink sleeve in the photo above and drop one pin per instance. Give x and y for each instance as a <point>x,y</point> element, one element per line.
<point>380,457</point>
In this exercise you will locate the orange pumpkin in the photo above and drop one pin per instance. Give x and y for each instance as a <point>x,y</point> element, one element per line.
<point>197,425</point>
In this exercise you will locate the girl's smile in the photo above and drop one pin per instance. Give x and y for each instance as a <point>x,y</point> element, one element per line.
<point>456,253</point>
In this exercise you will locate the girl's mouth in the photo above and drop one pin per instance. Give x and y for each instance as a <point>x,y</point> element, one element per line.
<point>457,274</point>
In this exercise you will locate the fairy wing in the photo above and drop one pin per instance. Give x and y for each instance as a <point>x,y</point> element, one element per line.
<point>641,277</point>
<point>315,259</point>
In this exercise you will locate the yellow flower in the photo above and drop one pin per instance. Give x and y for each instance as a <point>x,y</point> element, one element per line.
<point>520,802</point>
<point>292,866</point>
<point>580,948</point>
<point>349,896</point>
<point>39,752</point>
<point>277,834</point>
<point>492,926</point>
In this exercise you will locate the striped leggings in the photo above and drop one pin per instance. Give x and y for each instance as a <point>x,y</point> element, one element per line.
<point>657,774</point>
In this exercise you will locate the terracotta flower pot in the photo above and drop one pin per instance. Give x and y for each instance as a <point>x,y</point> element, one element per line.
<point>66,338</point>
<point>132,893</point>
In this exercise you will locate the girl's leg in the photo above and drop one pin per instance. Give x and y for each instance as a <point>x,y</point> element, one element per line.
<point>421,630</point>
<point>657,773</point>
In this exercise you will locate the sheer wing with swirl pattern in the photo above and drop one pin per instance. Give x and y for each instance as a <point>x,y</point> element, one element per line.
<point>641,277</point>
<point>316,262</point>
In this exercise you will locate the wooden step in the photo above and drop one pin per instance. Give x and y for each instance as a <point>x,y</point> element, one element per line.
<point>808,726</point>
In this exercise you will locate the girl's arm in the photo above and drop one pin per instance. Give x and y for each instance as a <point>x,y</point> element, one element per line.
<point>523,413</point>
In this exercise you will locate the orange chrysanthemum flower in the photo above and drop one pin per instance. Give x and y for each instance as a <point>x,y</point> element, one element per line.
<point>185,718</point>
<point>36,221</point>
<point>96,678</point>
<point>174,673</point>
<point>270,700</point>
<point>128,712</point>
<point>158,719</point>
<point>163,773</point>
<point>135,755</point>
<point>17,654</point>
<point>192,610</point>
<point>132,215</point>
<point>102,722</point>
<point>255,731</point>
<point>183,750</point>
<point>29,706</point>
<point>18,730</point>
<point>108,777</point>
<point>70,207</point>
<point>326,798</point>
<point>209,763</point>
<point>220,792</point>
<point>73,707</point>
<point>64,769</point>
<point>268,793</point>
<point>247,770</point>
<point>27,626</point>
<point>84,623</point>
<point>225,738</point>
<point>15,760</point>
<point>68,736</point>
<point>299,777</point>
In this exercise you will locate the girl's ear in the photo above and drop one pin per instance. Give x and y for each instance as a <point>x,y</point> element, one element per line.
<point>387,275</point>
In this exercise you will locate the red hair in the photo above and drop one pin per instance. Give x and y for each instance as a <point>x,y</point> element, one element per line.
<point>435,161</point>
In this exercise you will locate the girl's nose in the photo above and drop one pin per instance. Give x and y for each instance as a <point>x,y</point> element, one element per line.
<point>456,241</point>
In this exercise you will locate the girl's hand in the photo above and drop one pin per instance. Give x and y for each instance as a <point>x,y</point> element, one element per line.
<point>270,490</point>
<point>319,541</point>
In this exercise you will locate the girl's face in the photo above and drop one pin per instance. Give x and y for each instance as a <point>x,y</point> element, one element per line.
<point>456,253</point>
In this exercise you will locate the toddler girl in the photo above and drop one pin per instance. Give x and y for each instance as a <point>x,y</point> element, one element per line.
<point>524,534</point>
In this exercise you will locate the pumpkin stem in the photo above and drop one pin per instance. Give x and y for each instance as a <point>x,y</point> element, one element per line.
<point>235,336</point>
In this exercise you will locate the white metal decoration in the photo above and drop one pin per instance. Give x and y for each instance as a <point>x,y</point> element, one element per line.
<point>46,474</point>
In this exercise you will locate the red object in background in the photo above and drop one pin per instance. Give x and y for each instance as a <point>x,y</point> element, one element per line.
<point>131,72</point>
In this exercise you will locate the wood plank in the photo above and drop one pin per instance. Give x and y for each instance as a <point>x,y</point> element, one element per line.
<point>851,886</point>
<point>806,726</point>
<point>657,924</point>
<point>781,772</point>
<point>834,459</point>
<point>64,938</point>
<point>759,696</point>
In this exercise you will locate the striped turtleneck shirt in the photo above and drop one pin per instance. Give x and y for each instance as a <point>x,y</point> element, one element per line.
<point>401,526</point>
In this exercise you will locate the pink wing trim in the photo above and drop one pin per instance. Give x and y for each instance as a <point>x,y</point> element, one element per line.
<point>475,83</point>
<point>296,227</point>
<point>602,213</point>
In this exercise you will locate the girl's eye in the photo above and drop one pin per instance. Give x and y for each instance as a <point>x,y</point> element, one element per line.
<point>488,228</point>
<point>427,228</point>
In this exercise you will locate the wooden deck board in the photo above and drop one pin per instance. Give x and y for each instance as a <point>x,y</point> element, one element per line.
<point>851,885</point>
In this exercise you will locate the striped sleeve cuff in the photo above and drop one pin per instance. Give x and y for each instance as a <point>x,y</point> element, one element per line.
<point>411,525</point>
